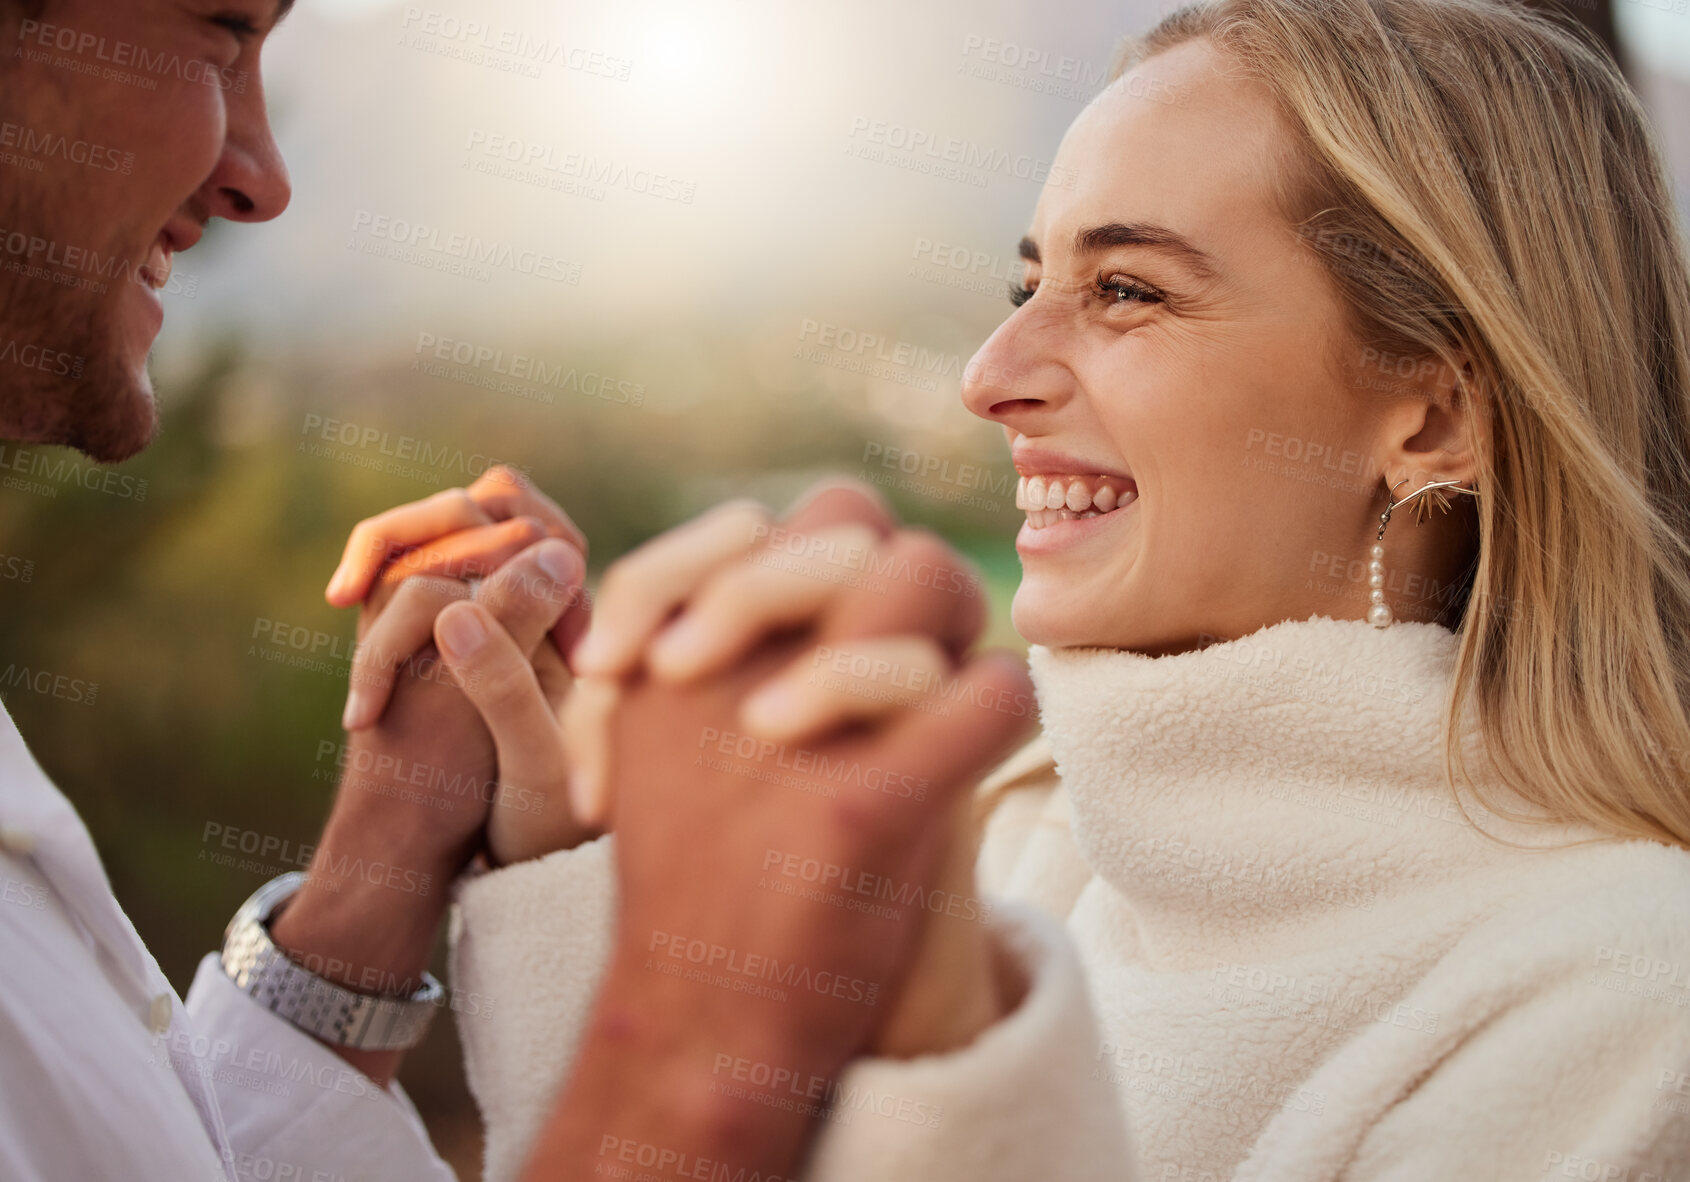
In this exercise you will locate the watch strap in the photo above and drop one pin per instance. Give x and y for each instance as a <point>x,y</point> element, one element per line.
<point>319,1007</point>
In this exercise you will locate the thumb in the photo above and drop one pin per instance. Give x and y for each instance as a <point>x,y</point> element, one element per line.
<point>530,814</point>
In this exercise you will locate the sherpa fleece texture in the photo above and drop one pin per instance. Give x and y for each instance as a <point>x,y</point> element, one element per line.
<point>1264,941</point>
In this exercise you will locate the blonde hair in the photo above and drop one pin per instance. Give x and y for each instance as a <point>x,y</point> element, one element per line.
<point>1484,189</point>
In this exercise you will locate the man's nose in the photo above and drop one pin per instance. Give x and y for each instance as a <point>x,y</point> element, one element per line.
<point>250,182</point>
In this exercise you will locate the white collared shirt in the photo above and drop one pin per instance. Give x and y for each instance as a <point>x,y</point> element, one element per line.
<point>106,1075</point>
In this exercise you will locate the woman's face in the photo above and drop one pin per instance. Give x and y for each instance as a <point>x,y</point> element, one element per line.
<point>1179,359</point>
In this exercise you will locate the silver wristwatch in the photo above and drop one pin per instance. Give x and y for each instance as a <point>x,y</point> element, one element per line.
<point>336,1015</point>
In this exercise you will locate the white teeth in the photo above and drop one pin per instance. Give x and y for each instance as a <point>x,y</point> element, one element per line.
<point>1049,499</point>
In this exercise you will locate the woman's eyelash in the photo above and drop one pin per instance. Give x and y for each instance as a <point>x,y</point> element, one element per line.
<point>1126,291</point>
<point>1123,291</point>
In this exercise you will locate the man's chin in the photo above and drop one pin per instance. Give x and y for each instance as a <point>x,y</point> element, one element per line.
<point>117,417</point>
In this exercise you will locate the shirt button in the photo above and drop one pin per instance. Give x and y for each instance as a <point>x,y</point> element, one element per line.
<point>17,841</point>
<point>158,1020</point>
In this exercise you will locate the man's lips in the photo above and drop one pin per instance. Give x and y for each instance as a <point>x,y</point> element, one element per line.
<point>179,234</point>
<point>161,258</point>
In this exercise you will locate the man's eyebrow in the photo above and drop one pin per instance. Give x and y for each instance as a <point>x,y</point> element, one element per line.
<point>283,7</point>
<point>1029,250</point>
<point>1133,234</point>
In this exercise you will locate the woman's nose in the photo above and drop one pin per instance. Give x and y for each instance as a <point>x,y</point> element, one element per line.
<point>1016,374</point>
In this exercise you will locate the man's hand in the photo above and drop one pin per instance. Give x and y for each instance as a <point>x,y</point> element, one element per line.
<point>419,784</point>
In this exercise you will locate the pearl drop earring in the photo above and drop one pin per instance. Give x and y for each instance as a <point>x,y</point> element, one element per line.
<point>1378,611</point>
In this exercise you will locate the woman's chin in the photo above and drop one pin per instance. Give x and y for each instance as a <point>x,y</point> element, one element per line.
<point>1053,616</point>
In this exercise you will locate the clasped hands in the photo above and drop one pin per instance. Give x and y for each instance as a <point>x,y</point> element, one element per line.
<point>763,711</point>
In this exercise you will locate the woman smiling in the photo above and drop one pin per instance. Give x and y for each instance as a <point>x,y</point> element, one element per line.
<point>1350,392</point>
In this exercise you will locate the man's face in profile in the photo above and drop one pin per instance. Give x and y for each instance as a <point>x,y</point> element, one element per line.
<point>125,125</point>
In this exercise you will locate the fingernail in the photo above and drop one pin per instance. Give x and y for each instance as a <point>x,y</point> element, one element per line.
<point>558,561</point>
<point>357,705</point>
<point>460,634</point>
<point>592,653</point>
<point>337,585</point>
<point>773,710</point>
<point>680,648</point>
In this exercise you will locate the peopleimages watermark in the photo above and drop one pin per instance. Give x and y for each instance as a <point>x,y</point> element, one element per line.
<point>16,570</point>
<point>1042,71</point>
<point>858,556</point>
<point>1318,1000</point>
<point>754,973</point>
<point>808,1094</point>
<point>428,784</point>
<point>1196,1081</point>
<point>509,50</point>
<point>37,465</point>
<point>53,362</point>
<point>874,355</point>
<point>365,445</point>
<point>517,374</point>
<point>865,891</point>
<point>31,147</point>
<point>580,174</point>
<point>920,688</point>
<point>943,478</point>
<point>659,1163</point>
<point>1558,1163</point>
<point>976,271</point>
<point>45,683</point>
<point>266,850</point>
<point>453,252</point>
<point>1642,974</point>
<point>116,60</point>
<point>800,768</point>
<point>948,157</point>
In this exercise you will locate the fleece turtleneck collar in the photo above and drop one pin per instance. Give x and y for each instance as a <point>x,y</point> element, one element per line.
<point>1267,794</point>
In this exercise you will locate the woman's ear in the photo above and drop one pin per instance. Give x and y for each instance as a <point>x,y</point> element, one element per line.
<point>1432,431</point>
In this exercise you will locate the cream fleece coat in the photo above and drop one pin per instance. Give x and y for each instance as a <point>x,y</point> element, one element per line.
<point>1264,942</point>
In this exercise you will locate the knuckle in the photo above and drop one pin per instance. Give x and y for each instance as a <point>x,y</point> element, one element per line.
<point>363,537</point>
<point>923,547</point>
<point>742,519</point>
<point>503,476</point>
<point>621,578</point>
<point>847,487</point>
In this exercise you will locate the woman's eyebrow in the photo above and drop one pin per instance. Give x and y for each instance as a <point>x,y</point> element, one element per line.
<point>1131,234</point>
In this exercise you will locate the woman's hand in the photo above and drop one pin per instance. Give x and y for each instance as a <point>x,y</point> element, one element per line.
<point>460,534</point>
<point>768,886</point>
<point>695,601</point>
<point>527,560</point>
